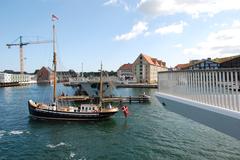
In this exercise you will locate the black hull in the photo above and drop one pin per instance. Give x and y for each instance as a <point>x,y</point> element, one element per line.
<point>70,116</point>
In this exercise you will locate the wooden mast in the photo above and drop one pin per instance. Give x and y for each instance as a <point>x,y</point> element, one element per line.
<point>101,88</point>
<point>54,64</point>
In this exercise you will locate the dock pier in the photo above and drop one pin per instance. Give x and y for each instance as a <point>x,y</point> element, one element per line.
<point>127,99</point>
<point>12,84</point>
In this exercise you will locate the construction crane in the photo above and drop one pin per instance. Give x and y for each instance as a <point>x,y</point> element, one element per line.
<point>21,44</point>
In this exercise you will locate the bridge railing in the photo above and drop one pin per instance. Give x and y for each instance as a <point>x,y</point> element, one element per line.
<point>220,87</point>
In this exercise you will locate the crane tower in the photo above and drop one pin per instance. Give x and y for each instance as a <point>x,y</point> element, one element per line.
<point>21,44</point>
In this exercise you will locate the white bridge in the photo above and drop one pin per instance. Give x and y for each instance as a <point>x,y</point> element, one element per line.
<point>208,96</point>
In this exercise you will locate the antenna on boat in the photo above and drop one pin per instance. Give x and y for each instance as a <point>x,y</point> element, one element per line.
<point>101,88</point>
<point>54,18</point>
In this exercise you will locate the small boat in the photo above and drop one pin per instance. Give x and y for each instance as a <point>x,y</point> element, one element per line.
<point>56,111</point>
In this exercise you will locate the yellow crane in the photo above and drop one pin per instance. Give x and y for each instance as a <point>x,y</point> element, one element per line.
<point>21,44</point>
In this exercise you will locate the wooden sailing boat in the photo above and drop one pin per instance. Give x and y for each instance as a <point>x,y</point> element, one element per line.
<point>82,112</point>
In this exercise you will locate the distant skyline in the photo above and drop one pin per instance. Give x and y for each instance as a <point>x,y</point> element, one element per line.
<point>117,31</point>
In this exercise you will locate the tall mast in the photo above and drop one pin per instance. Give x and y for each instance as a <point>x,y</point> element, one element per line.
<point>101,87</point>
<point>54,64</point>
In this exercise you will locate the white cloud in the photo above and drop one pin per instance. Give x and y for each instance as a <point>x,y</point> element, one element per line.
<point>118,3</point>
<point>125,5</point>
<point>138,29</point>
<point>172,28</point>
<point>110,2</point>
<point>224,42</point>
<point>146,34</point>
<point>195,8</point>
<point>179,45</point>
<point>220,25</point>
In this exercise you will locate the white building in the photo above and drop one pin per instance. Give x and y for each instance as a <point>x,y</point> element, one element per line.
<point>5,77</point>
<point>10,78</point>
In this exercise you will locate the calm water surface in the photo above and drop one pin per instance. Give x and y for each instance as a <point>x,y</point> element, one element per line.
<point>150,132</point>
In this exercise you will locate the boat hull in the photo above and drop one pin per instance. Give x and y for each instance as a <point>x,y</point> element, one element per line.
<point>74,116</point>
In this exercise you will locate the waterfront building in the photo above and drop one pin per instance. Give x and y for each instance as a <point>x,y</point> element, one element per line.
<point>198,65</point>
<point>125,72</point>
<point>45,75</point>
<point>5,77</point>
<point>204,64</point>
<point>230,62</point>
<point>64,76</point>
<point>146,68</point>
<point>15,77</point>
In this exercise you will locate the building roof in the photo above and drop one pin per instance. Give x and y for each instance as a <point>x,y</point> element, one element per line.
<point>46,68</point>
<point>14,72</point>
<point>183,66</point>
<point>127,66</point>
<point>153,61</point>
<point>70,72</point>
<point>192,63</point>
<point>203,60</point>
<point>225,59</point>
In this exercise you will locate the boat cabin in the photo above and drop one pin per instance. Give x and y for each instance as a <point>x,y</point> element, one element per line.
<point>87,108</point>
<point>84,108</point>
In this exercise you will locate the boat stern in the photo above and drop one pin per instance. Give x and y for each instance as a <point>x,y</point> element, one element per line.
<point>110,110</point>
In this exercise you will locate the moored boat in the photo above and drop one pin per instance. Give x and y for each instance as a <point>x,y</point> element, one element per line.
<point>83,112</point>
<point>56,111</point>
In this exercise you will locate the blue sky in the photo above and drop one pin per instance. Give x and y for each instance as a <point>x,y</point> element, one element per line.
<point>117,31</point>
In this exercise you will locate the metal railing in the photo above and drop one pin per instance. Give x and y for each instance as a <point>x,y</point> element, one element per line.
<point>220,87</point>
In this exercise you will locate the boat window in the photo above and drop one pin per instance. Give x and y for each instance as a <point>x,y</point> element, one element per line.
<point>93,108</point>
<point>82,108</point>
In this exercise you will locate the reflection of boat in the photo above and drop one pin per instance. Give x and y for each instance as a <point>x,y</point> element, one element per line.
<point>64,112</point>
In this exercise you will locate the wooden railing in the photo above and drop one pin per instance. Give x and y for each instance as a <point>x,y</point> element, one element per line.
<point>220,87</point>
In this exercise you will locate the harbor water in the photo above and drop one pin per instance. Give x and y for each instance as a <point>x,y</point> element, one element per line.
<point>150,132</point>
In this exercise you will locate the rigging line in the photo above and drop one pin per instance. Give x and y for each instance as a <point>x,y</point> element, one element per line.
<point>112,86</point>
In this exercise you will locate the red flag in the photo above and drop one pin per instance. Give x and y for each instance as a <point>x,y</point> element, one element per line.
<point>125,111</point>
<point>54,18</point>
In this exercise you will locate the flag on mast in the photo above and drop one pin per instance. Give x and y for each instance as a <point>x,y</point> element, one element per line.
<point>54,18</point>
